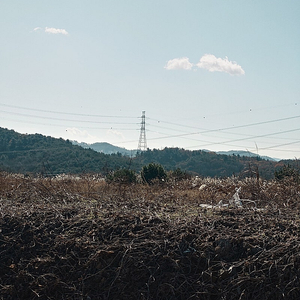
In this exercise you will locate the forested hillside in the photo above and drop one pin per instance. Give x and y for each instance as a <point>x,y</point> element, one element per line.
<point>35,153</point>
<point>210,164</point>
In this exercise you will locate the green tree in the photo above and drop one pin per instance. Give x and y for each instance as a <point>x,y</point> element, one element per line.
<point>178,174</point>
<point>152,172</point>
<point>122,176</point>
<point>287,171</point>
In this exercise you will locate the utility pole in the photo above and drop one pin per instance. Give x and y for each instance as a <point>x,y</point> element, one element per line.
<point>142,141</point>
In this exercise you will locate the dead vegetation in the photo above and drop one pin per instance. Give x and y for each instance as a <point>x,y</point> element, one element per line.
<point>81,238</point>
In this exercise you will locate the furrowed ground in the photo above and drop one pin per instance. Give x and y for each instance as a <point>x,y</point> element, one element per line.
<point>81,238</point>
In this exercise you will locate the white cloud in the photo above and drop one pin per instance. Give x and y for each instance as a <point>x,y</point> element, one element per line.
<point>182,63</point>
<point>214,64</point>
<point>51,30</point>
<point>115,133</point>
<point>80,135</point>
<point>56,31</point>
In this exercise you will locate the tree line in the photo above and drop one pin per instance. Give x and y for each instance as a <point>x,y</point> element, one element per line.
<point>39,154</point>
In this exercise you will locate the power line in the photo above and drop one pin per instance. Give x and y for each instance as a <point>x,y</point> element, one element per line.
<point>228,128</point>
<point>65,120</point>
<point>279,145</point>
<point>245,138</point>
<point>230,113</point>
<point>64,126</point>
<point>65,113</point>
<point>220,130</point>
<point>185,133</point>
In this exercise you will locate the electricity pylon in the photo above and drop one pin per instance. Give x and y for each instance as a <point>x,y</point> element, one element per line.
<point>142,141</point>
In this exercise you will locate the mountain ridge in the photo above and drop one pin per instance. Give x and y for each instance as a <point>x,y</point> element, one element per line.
<point>39,154</point>
<point>247,154</point>
<point>107,148</point>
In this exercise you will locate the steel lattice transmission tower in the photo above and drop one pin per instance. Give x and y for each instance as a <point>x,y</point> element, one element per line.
<point>142,141</point>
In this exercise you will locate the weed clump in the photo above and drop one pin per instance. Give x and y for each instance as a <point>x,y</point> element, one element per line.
<point>82,238</point>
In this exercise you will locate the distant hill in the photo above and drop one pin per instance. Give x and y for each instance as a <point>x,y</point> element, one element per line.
<point>35,153</point>
<point>206,163</point>
<point>106,148</point>
<point>246,153</point>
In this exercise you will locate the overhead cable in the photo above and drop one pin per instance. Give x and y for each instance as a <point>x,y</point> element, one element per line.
<point>66,113</point>
<point>65,120</point>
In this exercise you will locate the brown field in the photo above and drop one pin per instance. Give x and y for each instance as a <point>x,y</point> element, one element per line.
<point>81,238</point>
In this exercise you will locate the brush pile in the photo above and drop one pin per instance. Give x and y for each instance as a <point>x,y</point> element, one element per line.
<point>81,238</point>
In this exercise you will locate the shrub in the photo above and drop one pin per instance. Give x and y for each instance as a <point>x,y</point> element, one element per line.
<point>287,172</point>
<point>178,174</point>
<point>153,172</point>
<point>121,176</point>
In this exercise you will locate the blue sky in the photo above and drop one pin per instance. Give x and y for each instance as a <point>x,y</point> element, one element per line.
<point>217,75</point>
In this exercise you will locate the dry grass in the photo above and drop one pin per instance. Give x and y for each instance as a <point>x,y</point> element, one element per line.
<point>81,238</point>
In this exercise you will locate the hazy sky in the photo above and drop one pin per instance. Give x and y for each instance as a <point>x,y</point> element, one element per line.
<point>210,74</point>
